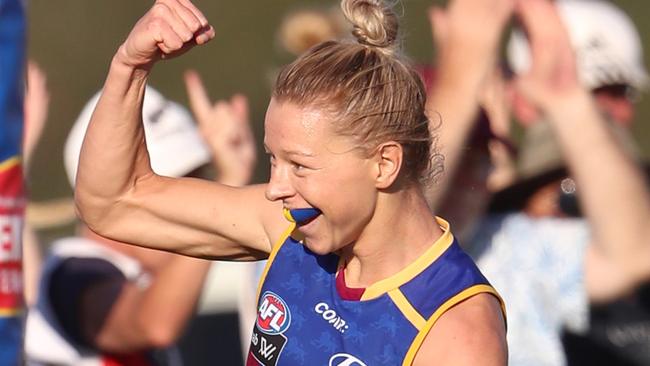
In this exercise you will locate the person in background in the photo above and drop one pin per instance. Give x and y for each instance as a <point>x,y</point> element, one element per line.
<point>37,99</point>
<point>610,64</point>
<point>101,301</point>
<point>538,254</point>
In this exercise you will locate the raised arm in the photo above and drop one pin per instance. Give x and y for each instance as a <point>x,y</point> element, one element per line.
<point>117,193</point>
<point>610,183</point>
<point>466,35</point>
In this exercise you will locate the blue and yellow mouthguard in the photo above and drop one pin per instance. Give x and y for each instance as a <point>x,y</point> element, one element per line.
<point>301,216</point>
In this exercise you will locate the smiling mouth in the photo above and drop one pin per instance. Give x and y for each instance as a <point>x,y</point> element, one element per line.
<point>301,216</point>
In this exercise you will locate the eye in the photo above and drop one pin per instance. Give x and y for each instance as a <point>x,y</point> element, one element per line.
<point>297,167</point>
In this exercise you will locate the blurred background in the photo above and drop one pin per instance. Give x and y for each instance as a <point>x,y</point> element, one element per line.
<point>73,42</point>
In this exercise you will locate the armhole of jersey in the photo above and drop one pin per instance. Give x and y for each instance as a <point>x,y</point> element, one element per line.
<point>407,309</point>
<point>463,295</point>
<point>269,261</point>
<point>10,162</point>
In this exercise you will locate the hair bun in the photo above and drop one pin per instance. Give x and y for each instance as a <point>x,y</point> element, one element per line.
<point>375,23</point>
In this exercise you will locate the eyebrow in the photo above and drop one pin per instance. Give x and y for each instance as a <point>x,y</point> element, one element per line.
<point>292,152</point>
<point>298,152</point>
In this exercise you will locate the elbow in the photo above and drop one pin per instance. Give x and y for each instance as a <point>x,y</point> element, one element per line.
<point>90,209</point>
<point>100,214</point>
<point>136,340</point>
<point>160,335</point>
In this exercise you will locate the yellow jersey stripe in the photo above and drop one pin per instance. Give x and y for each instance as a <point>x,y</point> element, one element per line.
<point>10,312</point>
<point>9,163</point>
<point>463,295</point>
<point>434,252</point>
<point>407,309</point>
<point>274,252</point>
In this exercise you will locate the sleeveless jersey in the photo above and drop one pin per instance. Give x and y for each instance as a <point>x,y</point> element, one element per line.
<point>302,319</point>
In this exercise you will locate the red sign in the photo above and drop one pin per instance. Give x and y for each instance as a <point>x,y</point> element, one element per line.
<point>12,206</point>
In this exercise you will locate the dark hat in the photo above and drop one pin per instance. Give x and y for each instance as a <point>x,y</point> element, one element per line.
<point>540,162</point>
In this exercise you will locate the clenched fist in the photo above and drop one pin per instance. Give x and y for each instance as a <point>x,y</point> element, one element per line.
<point>168,29</point>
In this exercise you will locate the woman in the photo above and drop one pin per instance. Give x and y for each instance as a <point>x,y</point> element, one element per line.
<point>363,261</point>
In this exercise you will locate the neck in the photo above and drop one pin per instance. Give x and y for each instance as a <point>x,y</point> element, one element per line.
<point>401,230</point>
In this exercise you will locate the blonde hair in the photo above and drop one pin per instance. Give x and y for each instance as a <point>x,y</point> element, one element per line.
<point>367,87</point>
<point>304,28</point>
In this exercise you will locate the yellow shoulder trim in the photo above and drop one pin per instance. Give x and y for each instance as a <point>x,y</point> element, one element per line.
<point>463,295</point>
<point>407,309</point>
<point>269,261</point>
<point>7,312</point>
<point>6,164</point>
<point>377,289</point>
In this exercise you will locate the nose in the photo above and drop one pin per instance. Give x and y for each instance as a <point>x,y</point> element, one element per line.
<point>279,186</point>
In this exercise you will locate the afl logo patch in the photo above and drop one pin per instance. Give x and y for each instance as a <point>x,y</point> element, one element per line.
<point>273,315</point>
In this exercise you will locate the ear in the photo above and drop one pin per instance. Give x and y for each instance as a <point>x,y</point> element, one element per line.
<point>389,157</point>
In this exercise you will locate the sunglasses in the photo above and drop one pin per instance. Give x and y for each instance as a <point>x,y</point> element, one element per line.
<point>623,91</point>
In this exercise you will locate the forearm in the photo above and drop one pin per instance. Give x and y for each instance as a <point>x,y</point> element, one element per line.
<point>609,182</point>
<point>171,300</point>
<point>155,316</point>
<point>467,34</point>
<point>113,155</point>
<point>452,108</point>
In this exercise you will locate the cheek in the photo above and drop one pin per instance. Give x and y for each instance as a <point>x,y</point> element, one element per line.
<point>348,202</point>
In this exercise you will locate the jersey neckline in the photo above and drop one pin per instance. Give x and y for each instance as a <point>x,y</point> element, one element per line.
<point>412,270</point>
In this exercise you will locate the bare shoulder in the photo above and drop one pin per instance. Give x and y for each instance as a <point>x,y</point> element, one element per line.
<point>470,333</point>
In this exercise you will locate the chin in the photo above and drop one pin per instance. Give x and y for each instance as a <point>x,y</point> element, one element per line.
<point>318,246</point>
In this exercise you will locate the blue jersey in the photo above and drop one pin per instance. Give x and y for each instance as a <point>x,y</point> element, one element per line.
<point>302,319</point>
<point>12,202</point>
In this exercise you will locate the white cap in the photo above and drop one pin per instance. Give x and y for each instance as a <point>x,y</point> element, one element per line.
<point>606,43</point>
<point>173,140</point>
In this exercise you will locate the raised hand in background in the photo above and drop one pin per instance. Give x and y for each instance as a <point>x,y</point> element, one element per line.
<point>613,192</point>
<point>466,36</point>
<point>225,127</point>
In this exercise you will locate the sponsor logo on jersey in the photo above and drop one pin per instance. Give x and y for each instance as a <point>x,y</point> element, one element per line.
<point>265,348</point>
<point>345,359</point>
<point>331,316</point>
<point>273,315</point>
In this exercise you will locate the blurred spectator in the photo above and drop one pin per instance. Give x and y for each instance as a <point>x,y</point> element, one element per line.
<point>608,53</point>
<point>306,27</point>
<point>104,301</point>
<point>609,63</point>
<point>534,252</point>
<point>36,106</point>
